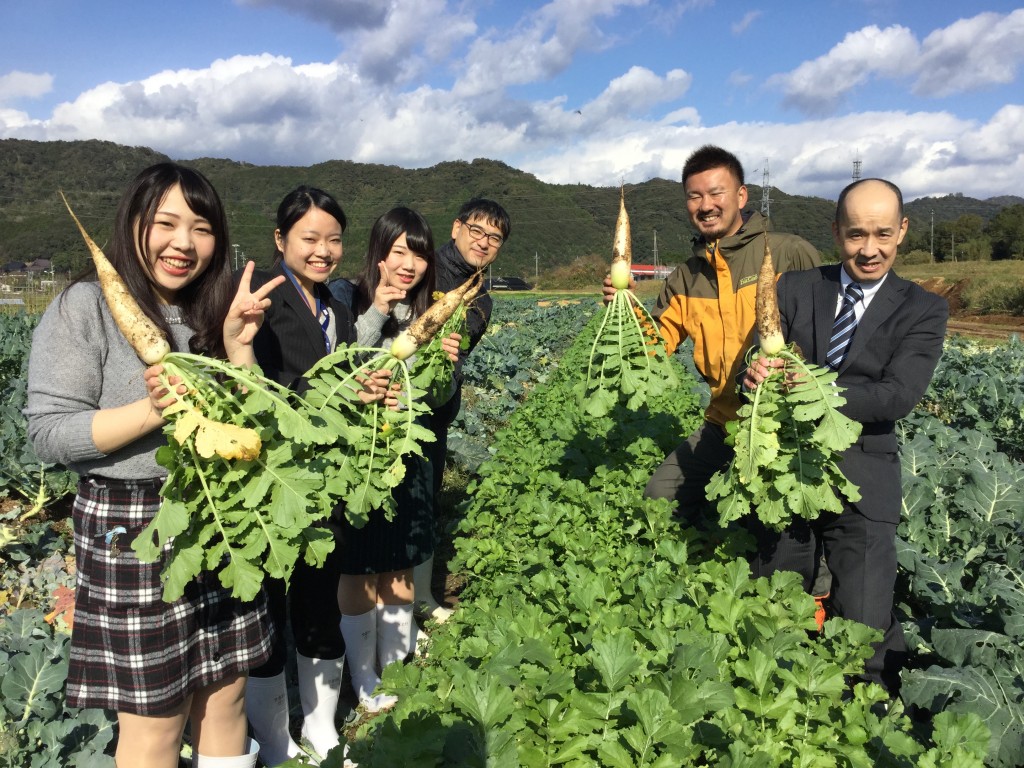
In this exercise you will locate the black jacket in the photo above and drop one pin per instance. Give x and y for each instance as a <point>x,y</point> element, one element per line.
<point>291,341</point>
<point>886,371</point>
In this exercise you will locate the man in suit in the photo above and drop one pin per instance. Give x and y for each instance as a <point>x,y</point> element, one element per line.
<point>884,368</point>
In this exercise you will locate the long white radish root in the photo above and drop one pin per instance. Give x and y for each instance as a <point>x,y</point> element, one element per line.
<point>789,435</point>
<point>622,249</point>
<point>426,326</point>
<point>766,306</point>
<point>628,362</point>
<point>146,339</point>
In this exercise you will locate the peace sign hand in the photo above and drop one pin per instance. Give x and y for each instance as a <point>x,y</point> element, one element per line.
<point>386,296</point>
<point>245,316</point>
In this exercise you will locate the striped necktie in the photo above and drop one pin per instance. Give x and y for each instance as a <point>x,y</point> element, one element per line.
<point>845,325</point>
<point>325,324</point>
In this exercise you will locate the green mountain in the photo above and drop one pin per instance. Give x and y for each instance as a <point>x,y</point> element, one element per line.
<point>552,224</point>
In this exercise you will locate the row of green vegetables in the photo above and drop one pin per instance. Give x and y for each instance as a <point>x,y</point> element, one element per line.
<point>594,630</point>
<point>575,582</point>
<point>36,591</point>
<point>961,579</point>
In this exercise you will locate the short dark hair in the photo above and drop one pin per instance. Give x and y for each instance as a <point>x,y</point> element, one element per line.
<point>489,211</point>
<point>708,157</point>
<point>297,204</point>
<point>841,202</point>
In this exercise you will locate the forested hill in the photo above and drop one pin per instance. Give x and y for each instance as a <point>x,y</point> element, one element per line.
<point>553,224</point>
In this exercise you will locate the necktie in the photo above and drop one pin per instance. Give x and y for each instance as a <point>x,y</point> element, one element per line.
<point>325,323</point>
<point>845,325</point>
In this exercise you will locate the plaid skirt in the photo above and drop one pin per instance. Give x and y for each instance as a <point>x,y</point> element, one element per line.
<point>130,651</point>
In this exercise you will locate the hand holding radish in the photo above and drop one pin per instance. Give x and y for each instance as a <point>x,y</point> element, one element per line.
<point>245,316</point>
<point>374,385</point>
<point>608,290</point>
<point>789,435</point>
<point>451,345</point>
<point>160,394</point>
<point>760,369</point>
<point>386,295</point>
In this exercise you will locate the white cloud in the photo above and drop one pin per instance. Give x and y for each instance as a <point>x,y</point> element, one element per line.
<point>971,53</point>
<point>818,87</point>
<point>632,95</point>
<point>740,79</point>
<point>920,151</point>
<point>386,42</point>
<point>983,51</point>
<point>541,46</point>
<point>266,109</point>
<point>24,85</point>
<point>741,26</point>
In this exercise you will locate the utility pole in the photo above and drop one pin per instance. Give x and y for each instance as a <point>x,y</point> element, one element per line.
<point>933,236</point>
<point>766,191</point>
<point>655,251</point>
<point>536,266</point>
<point>235,246</point>
<point>952,245</point>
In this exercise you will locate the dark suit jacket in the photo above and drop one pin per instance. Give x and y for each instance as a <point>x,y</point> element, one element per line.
<point>290,341</point>
<point>890,363</point>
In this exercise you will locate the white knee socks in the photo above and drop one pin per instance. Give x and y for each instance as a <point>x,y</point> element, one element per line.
<point>266,704</point>
<point>360,633</point>
<point>248,760</point>
<point>319,690</point>
<point>425,602</point>
<point>396,633</point>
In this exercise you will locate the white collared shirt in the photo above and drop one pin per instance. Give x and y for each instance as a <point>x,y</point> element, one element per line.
<point>870,289</point>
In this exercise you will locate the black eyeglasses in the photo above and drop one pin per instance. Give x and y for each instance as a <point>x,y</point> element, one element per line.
<point>477,233</point>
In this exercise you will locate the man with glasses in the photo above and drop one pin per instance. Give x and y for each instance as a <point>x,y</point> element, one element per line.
<point>478,233</point>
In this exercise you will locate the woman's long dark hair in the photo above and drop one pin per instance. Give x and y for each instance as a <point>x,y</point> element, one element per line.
<point>204,302</point>
<point>419,238</point>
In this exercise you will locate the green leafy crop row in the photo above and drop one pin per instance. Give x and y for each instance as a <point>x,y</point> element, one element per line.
<point>594,630</point>
<point>961,582</point>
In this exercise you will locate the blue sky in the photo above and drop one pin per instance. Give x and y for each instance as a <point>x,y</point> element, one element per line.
<point>929,94</point>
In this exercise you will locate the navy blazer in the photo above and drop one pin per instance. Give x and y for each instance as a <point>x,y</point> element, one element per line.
<point>291,341</point>
<point>887,369</point>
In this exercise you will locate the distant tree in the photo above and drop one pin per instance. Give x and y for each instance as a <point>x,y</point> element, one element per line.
<point>1006,231</point>
<point>966,235</point>
<point>969,226</point>
<point>975,249</point>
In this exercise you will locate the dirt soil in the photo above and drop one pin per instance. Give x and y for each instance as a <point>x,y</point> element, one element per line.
<point>994,327</point>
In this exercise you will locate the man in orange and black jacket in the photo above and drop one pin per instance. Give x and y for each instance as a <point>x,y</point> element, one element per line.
<point>710,299</point>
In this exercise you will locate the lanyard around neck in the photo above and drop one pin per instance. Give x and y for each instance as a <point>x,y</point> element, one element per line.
<point>319,308</point>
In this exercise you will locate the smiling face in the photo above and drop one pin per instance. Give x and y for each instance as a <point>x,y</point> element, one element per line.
<point>714,200</point>
<point>869,230</point>
<point>311,249</point>
<point>405,267</point>
<point>477,240</point>
<point>179,246</point>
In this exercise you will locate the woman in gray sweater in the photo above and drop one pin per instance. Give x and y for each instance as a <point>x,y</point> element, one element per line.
<point>95,407</point>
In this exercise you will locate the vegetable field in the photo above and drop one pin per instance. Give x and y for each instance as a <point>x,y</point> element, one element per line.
<point>592,629</point>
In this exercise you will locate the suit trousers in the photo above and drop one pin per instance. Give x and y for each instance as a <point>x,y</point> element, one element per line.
<point>861,555</point>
